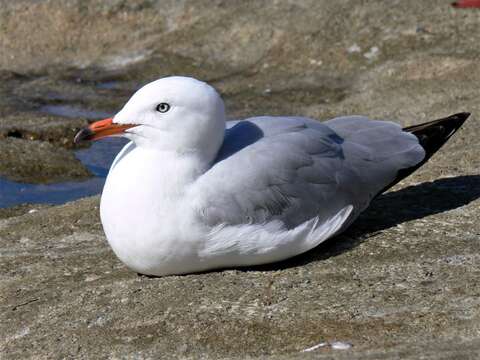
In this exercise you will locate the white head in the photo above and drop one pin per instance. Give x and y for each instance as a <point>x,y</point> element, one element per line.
<point>179,114</point>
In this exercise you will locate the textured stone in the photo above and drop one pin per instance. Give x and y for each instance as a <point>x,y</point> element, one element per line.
<point>401,283</point>
<point>38,162</point>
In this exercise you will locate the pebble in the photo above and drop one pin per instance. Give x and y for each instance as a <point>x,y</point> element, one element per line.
<point>340,345</point>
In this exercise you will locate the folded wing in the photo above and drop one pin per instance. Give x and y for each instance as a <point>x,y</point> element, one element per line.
<point>292,169</point>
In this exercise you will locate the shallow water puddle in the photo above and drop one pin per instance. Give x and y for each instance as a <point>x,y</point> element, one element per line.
<point>74,112</point>
<point>97,158</point>
<point>16,193</point>
<point>109,85</point>
<point>100,155</point>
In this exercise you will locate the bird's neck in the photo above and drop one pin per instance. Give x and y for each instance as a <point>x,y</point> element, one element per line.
<point>179,168</point>
<point>165,171</point>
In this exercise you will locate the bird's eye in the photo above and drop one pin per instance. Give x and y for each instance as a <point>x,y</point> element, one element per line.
<point>163,107</point>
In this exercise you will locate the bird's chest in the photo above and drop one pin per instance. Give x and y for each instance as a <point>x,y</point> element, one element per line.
<point>141,190</point>
<point>143,210</point>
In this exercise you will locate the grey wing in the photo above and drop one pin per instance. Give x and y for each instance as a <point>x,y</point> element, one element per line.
<point>294,169</point>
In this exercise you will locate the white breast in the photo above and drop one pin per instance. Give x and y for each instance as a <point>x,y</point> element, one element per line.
<point>144,215</point>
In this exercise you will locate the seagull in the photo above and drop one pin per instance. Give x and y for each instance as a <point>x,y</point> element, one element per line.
<point>192,192</point>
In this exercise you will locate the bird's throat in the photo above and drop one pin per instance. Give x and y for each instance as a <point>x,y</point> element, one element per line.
<point>148,173</point>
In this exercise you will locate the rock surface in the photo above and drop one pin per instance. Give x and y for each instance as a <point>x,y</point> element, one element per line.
<point>33,148</point>
<point>38,161</point>
<point>33,126</point>
<point>401,283</point>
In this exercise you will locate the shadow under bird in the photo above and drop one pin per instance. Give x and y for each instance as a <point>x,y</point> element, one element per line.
<point>192,192</point>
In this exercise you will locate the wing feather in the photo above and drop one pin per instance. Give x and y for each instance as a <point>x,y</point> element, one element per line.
<point>294,169</point>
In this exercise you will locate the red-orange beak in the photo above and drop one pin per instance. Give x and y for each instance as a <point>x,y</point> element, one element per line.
<point>101,129</point>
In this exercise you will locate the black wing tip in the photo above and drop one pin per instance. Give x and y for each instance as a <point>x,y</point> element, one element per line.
<point>465,115</point>
<point>431,136</point>
<point>459,117</point>
<point>454,121</point>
